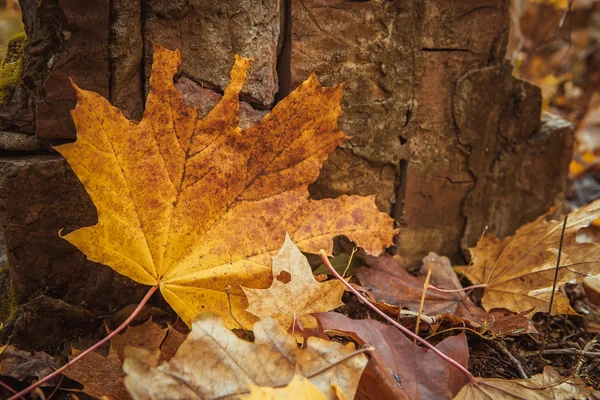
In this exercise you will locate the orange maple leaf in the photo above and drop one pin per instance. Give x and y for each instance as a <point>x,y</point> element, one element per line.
<point>196,204</point>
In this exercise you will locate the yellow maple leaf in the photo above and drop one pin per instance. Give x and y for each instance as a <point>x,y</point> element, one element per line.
<point>518,272</point>
<point>299,388</point>
<point>196,204</point>
<point>294,293</point>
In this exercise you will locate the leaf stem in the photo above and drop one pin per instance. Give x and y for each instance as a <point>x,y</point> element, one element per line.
<point>88,351</point>
<point>422,304</point>
<point>425,343</point>
<point>437,289</point>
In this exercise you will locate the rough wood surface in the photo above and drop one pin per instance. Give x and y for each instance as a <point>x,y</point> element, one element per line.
<point>441,132</point>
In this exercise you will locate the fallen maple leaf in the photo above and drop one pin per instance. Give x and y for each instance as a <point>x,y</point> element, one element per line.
<point>399,368</point>
<point>213,363</point>
<point>294,293</point>
<point>299,388</point>
<point>194,205</point>
<point>549,385</point>
<point>392,287</point>
<point>518,273</point>
<point>102,377</point>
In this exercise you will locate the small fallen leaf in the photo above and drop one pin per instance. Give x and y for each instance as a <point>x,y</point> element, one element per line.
<point>195,205</point>
<point>299,388</point>
<point>399,368</point>
<point>25,366</point>
<point>103,376</point>
<point>296,297</point>
<point>391,285</point>
<point>549,385</point>
<point>518,272</point>
<point>213,363</point>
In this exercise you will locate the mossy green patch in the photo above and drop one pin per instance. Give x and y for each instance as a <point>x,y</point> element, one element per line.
<point>8,304</point>
<point>12,66</point>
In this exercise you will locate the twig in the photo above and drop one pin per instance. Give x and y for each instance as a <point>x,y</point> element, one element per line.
<point>586,349</point>
<point>422,304</point>
<point>349,261</point>
<point>397,325</point>
<point>7,387</point>
<point>94,347</point>
<point>56,388</point>
<point>565,15</point>
<point>227,290</point>
<point>365,349</point>
<point>473,287</point>
<point>569,352</point>
<point>501,347</point>
<point>560,245</point>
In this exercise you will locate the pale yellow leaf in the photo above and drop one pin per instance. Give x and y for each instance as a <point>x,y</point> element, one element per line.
<point>294,293</point>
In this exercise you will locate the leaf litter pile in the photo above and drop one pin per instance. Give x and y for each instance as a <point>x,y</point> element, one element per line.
<point>219,220</point>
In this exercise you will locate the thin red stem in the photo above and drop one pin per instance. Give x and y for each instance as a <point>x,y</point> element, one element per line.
<point>88,351</point>
<point>7,387</point>
<point>397,325</point>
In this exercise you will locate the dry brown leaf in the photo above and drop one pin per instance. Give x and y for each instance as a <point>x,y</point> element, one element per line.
<point>299,388</point>
<point>518,272</point>
<point>213,362</point>
<point>390,282</point>
<point>103,376</point>
<point>399,369</point>
<point>294,293</point>
<point>25,365</point>
<point>391,285</point>
<point>549,385</point>
<point>195,205</point>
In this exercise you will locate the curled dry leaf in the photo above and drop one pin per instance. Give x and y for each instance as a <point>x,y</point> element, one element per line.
<point>518,272</point>
<point>196,204</point>
<point>549,385</point>
<point>299,388</point>
<point>213,363</point>
<point>294,293</point>
<point>102,377</point>
<point>399,369</point>
<point>391,285</point>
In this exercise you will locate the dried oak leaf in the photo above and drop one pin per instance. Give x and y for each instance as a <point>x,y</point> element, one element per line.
<point>548,385</point>
<point>390,284</point>
<point>299,388</point>
<point>518,272</point>
<point>214,363</point>
<point>103,376</point>
<point>399,369</point>
<point>196,204</point>
<point>294,293</point>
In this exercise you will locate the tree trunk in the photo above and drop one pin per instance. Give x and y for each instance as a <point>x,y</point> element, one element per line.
<point>442,133</point>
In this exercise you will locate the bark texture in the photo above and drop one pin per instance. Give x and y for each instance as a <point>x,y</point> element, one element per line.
<point>441,132</point>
